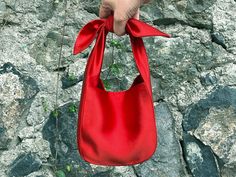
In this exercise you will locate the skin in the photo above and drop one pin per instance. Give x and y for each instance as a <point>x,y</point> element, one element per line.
<point>122,10</point>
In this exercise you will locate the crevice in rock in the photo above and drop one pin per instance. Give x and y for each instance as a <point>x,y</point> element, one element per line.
<point>30,89</point>
<point>62,138</point>
<point>70,80</point>
<point>173,21</point>
<point>60,69</point>
<point>8,23</point>
<point>187,168</point>
<point>218,39</point>
<point>135,171</point>
<point>199,157</point>
<point>160,100</point>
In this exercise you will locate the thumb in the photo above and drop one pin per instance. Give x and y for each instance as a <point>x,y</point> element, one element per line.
<point>136,15</point>
<point>104,11</point>
<point>119,24</point>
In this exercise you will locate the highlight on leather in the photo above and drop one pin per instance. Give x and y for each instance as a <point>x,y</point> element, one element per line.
<point>116,128</point>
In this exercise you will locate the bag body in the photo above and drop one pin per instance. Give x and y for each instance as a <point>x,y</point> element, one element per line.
<point>116,128</point>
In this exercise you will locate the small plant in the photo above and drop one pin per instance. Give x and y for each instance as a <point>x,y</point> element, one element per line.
<point>72,77</point>
<point>116,44</point>
<point>55,113</point>
<point>45,105</point>
<point>73,108</point>
<point>115,68</point>
<point>79,168</point>
<point>60,173</point>
<point>106,85</point>
<point>68,168</point>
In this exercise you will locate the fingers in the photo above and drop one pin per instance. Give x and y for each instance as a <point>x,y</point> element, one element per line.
<point>123,10</point>
<point>136,15</point>
<point>119,24</point>
<point>104,11</point>
<point>121,21</point>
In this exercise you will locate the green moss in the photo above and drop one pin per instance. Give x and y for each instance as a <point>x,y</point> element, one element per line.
<point>72,108</point>
<point>68,168</point>
<point>60,173</point>
<point>55,113</point>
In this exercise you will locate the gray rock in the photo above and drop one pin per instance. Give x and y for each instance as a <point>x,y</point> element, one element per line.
<point>219,39</point>
<point>200,158</point>
<point>103,174</point>
<point>190,12</point>
<point>43,172</point>
<point>24,165</point>
<point>17,91</point>
<point>92,6</point>
<point>218,131</point>
<point>208,79</point>
<point>45,10</point>
<point>228,172</point>
<point>38,146</point>
<point>3,137</point>
<point>2,10</point>
<point>124,171</point>
<point>66,147</point>
<point>186,72</point>
<point>166,161</point>
<point>222,97</point>
<point>199,13</point>
<point>177,63</point>
<point>224,22</point>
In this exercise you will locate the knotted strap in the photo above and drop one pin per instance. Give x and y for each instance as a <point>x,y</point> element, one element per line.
<point>99,29</point>
<point>134,28</point>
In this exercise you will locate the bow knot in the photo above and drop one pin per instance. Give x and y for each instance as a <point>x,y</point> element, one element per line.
<point>109,23</point>
<point>134,28</point>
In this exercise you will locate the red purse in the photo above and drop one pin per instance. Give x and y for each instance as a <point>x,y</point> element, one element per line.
<point>116,128</point>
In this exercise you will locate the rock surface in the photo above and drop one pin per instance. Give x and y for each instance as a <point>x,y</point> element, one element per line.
<point>193,80</point>
<point>24,165</point>
<point>167,159</point>
<point>200,159</point>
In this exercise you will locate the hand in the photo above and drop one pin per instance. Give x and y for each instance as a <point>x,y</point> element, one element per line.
<point>123,10</point>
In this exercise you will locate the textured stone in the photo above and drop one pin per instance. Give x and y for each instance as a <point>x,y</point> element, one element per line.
<point>221,97</point>
<point>67,146</point>
<point>166,161</point>
<point>42,173</point>
<point>17,91</point>
<point>2,10</point>
<point>11,88</point>
<point>124,171</point>
<point>219,39</point>
<point>200,158</point>
<point>191,12</point>
<point>227,74</point>
<point>224,22</point>
<point>228,172</point>
<point>186,71</point>
<point>218,131</point>
<point>38,146</point>
<point>26,132</point>
<point>24,165</point>
<point>3,137</point>
<point>187,56</point>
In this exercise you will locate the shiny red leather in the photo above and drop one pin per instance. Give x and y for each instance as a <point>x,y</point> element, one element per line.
<point>116,128</point>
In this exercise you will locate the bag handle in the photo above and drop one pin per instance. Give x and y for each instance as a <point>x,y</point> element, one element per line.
<point>99,28</point>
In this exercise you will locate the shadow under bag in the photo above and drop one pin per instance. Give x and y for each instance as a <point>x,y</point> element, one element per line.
<point>116,128</point>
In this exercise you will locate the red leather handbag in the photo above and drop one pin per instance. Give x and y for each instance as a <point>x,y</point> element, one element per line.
<point>116,128</point>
